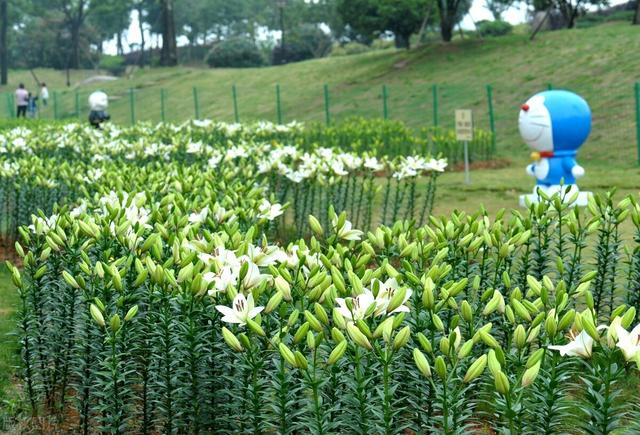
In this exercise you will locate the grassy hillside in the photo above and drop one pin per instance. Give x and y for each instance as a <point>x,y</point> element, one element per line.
<point>599,63</point>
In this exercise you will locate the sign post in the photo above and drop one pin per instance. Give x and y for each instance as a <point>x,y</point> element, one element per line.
<point>464,133</point>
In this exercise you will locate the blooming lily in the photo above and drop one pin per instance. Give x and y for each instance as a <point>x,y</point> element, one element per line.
<point>580,345</point>
<point>360,306</point>
<point>242,309</point>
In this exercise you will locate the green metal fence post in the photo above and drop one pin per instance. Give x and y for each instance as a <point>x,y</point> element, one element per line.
<point>132,106</point>
<point>327,113</point>
<point>77,104</point>
<point>278,108</point>
<point>235,103</point>
<point>492,122</point>
<point>434,91</point>
<point>549,87</point>
<point>9,105</point>
<point>638,118</point>
<point>12,105</point>
<point>385,109</point>
<point>55,105</point>
<point>196,103</point>
<point>162,96</point>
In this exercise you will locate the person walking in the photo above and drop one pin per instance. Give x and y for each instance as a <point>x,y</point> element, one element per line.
<point>44,94</point>
<point>22,101</point>
<point>32,106</point>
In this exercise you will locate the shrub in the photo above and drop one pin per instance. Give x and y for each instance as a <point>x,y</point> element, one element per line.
<point>235,53</point>
<point>305,42</point>
<point>114,64</point>
<point>349,48</point>
<point>494,28</point>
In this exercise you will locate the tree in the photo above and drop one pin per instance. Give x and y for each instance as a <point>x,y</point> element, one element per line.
<point>108,18</point>
<point>498,7</point>
<point>369,18</point>
<point>636,17</point>
<point>451,13</point>
<point>169,51</point>
<point>570,9</point>
<point>4,46</point>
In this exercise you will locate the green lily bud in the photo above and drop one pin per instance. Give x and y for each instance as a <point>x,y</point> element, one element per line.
<point>466,311</point>
<point>358,337</point>
<point>437,322</point>
<point>364,328</point>
<point>321,314</point>
<point>501,382</point>
<point>441,368</point>
<point>566,320</point>
<point>231,340</point>
<point>337,335</point>
<point>530,374</point>
<point>520,310</point>
<point>131,313</point>
<point>115,323</point>
<point>628,317</point>
<point>283,286</point>
<point>465,350</point>
<point>428,299</point>
<point>70,279</point>
<point>255,327</point>
<point>519,337</point>
<point>311,341</point>
<point>96,314</point>
<point>337,352</point>
<point>287,354</point>
<point>338,319</point>
<point>494,364</point>
<point>444,346</point>
<point>402,338</point>
<point>424,342</point>
<point>301,333</point>
<point>475,369</point>
<point>315,226</point>
<point>422,363</point>
<point>380,328</point>
<point>535,357</point>
<point>273,302</point>
<point>489,340</point>
<point>293,318</point>
<point>493,304</point>
<point>313,321</point>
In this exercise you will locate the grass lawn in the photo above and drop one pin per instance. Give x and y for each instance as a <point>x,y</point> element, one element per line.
<point>8,347</point>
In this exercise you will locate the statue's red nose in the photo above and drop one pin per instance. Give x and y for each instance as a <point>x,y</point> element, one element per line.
<point>525,107</point>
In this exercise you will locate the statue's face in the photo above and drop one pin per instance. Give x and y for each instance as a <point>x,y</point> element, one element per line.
<point>535,124</point>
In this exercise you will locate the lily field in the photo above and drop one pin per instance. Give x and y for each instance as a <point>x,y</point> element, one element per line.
<point>208,277</point>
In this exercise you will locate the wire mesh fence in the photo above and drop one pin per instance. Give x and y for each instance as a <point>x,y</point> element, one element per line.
<point>615,106</point>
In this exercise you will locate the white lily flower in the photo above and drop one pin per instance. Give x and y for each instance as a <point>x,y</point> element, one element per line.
<point>385,293</point>
<point>628,342</point>
<point>361,304</point>
<point>580,345</point>
<point>222,280</point>
<point>254,278</point>
<point>199,217</point>
<point>269,211</point>
<point>242,309</point>
<point>346,232</point>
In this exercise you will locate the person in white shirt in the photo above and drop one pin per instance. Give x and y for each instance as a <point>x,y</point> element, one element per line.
<point>44,94</point>
<point>22,101</point>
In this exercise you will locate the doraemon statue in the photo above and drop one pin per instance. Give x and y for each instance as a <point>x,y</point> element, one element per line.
<point>555,124</point>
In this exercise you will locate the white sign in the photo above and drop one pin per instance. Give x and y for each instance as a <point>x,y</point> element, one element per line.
<point>464,125</point>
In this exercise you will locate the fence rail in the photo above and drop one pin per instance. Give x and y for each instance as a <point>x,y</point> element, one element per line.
<point>616,109</point>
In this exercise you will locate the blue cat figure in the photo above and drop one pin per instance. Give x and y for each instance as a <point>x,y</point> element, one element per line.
<point>555,124</point>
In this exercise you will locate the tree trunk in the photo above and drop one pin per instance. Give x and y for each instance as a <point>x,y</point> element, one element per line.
<point>402,41</point>
<point>120,48</point>
<point>75,45</point>
<point>636,18</point>
<point>446,29</point>
<point>4,57</point>
<point>169,52</point>
<point>142,40</point>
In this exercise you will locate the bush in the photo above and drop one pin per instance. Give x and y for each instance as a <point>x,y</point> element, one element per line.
<point>305,42</point>
<point>349,48</point>
<point>494,28</point>
<point>235,53</point>
<point>114,64</point>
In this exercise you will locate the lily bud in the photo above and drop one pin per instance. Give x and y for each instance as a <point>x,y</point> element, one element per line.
<point>465,350</point>
<point>231,340</point>
<point>475,369</point>
<point>520,337</point>
<point>422,363</point>
<point>530,375</point>
<point>287,354</point>
<point>501,382</point>
<point>255,327</point>
<point>315,226</point>
<point>397,299</point>
<point>115,323</point>
<point>273,302</point>
<point>96,314</point>
<point>402,338</point>
<point>131,313</point>
<point>424,342</point>
<point>441,368</point>
<point>321,314</point>
<point>337,352</point>
<point>358,337</point>
<point>466,311</point>
<point>283,286</point>
<point>313,321</point>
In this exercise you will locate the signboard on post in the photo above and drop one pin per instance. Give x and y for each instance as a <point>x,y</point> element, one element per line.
<point>464,125</point>
<point>464,133</point>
